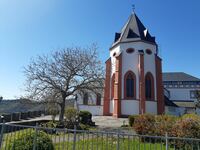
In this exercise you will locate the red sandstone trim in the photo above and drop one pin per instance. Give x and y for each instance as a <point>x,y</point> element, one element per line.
<point>141,84</point>
<point>117,90</point>
<point>134,92</point>
<point>160,89</point>
<point>106,105</point>
<point>112,86</point>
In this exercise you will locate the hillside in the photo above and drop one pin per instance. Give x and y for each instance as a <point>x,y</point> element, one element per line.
<point>11,106</point>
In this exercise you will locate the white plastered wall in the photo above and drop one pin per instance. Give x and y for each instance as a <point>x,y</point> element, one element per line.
<point>181,94</point>
<point>95,110</point>
<point>129,107</point>
<point>151,107</point>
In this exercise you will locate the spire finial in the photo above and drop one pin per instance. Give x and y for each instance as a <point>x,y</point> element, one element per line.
<point>133,8</point>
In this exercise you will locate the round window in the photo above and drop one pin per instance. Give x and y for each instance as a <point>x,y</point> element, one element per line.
<point>148,51</point>
<point>114,54</point>
<point>130,50</point>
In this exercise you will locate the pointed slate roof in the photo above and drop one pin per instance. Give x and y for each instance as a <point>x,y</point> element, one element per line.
<point>133,30</point>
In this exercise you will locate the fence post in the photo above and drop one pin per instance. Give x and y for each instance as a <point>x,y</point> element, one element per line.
<point>2,132</point>
<point>118,140</point>
<point>74,143</point>
<point>35,137</point>
<point>166,141</point>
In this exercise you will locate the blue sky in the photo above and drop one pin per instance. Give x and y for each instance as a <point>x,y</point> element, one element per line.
<point>35,27</point>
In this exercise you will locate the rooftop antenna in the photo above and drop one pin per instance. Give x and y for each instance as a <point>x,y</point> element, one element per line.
<point>133,8</point>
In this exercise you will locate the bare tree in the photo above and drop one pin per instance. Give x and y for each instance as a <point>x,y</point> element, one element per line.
<point>58,76</point>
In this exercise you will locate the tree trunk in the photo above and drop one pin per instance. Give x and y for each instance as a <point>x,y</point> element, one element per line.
<point>62,110</point>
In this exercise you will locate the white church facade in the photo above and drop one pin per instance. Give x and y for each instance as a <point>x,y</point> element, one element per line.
<point>133,83</point>
<point>134,79</point>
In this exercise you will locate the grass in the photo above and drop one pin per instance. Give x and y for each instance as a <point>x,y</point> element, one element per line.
<point>90,141</point>
<point>110,144</point>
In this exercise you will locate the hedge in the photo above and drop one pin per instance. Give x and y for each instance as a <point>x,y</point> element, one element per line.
<point>25,141</point>
<point>158,125</point>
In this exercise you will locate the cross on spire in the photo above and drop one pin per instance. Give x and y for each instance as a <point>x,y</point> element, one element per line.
<point>133,8</point>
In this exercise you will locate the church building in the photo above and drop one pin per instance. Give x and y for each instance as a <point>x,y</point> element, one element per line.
<point>133,83</point>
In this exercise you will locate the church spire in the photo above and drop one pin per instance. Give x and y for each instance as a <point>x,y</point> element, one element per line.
<point>134,30</point>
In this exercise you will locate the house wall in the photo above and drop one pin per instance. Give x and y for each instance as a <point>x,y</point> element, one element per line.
<point>181,94</point>
<point>176,111</point>
<point>95,110</point>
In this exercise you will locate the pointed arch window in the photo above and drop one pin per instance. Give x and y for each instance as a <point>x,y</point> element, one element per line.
<point>149,86</point>
<point>98,101</point>
<point>85,99</point>
<point>112,86</point>
<point>129,85</point>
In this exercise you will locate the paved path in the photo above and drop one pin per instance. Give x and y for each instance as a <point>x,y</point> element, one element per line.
<point>102,122</point>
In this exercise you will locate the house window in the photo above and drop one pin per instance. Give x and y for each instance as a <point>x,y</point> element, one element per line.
<point>98,101</point>
<point>129,85</point>
<point>85,99</point>
<point>149,86</point>
<point>112,86</point>
<point>193,94</point>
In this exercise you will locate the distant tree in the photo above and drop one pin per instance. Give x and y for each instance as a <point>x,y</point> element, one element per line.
<point>1,98</point>
<point>56,77</point>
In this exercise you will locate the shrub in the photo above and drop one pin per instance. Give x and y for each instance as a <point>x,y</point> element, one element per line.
<point>186,128</point>
<point>191,116</point>
<point>131,119</point>
<point>50,124</point>
<point>85,117</point>
<point>25,141</point>
<point>164,124</point>
<point>144,124</point>
<point>71,118</point>
<point>84,126</point>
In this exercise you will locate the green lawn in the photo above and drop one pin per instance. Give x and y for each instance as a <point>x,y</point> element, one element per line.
<point>85,142</point>
<point>111,144</point>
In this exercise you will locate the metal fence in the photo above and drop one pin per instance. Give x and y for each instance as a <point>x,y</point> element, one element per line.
<point>20,137</point>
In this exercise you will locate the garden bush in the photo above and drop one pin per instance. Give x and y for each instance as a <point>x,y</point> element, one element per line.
<point>163,124</point>
<point>50,124</point>
<point>186,128</point>
<point>144,124</point>
<point>131,119</point>
<point>85,117</point>
<point>25,141</point>
<point>191,116</point>
<point>71,118</point>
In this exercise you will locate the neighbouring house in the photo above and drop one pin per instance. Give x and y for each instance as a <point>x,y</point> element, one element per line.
<point>181,88</point>
<point>134,82</point>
